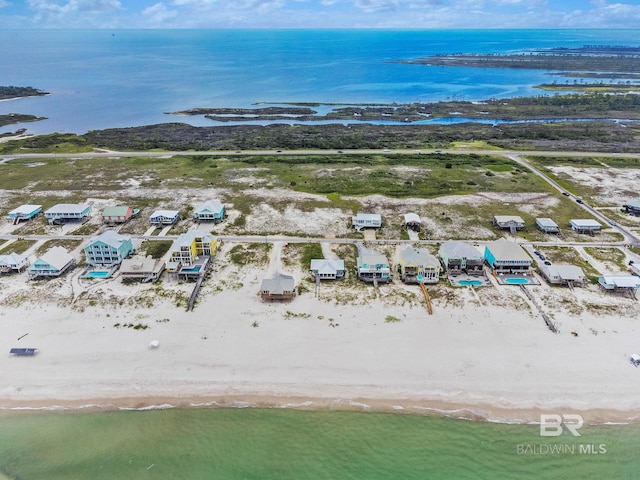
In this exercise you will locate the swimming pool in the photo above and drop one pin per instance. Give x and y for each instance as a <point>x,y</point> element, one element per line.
<point>466,283</point>
<point>194,269</point>
<point>516,281</point>
<point>98,274</point>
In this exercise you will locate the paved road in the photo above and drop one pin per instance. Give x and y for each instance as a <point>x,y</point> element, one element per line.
<point>630,237</point>
<point>287,239</point>
<point>112,154</point>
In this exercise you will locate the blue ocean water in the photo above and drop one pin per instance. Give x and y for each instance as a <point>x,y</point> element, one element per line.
<point>103,78</point>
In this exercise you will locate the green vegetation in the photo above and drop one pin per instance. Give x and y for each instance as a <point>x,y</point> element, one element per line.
<point>301,254</point>
<point>86,229</point>
<point>250,253</point>
<point>12,91</point>
<point>19,246</point>
<point>155,248</point>
<point>49,244</point>
<point>391,319</point>
<point>609,255</point>
<point>12,118</point>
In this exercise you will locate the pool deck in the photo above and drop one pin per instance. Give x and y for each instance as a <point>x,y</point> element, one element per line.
<point>463,277</point>
<point>102,273</point>
<point>517,279</point>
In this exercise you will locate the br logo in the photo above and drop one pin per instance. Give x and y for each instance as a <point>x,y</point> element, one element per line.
<point>553,425</point>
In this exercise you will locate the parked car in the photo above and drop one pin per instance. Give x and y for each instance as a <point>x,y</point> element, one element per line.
<point>536,252</point>
<point>547,262</point>
<point>566,194</point>
<point>634,359</point>
<point>542,257</point>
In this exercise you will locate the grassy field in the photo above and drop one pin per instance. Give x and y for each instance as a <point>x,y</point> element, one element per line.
<point>49,244</point>
<point>609,256</point>
<point>19,246</point>
<point>409,175</point>
<point>338,180</point>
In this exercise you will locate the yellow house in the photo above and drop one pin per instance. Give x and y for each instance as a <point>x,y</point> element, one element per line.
<point>189,246</point>
<point>417,265</point>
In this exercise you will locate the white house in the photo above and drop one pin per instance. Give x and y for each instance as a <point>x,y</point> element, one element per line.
<point>558,274</point>
<point>67,212</point>
<point>585,225</point>
<point>327,268</point>
<point>547,225</point>
<point>13,262</point>
<point>366,220</point>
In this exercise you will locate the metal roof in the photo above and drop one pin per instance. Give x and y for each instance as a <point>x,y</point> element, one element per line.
<point>456,249</point>
<point>57,257</point>
<point>278,285</point>
<point>635,203</point>
<point>109,237</point>
<point>165,213</point>
<point>370,259</point>
<point>584,223</point>
<point>368,216</point>
<point>546,223</point>
<point>73,208</point>
<point>508,218</point>
<point>25,209</point>
<point>209,206</point>
<point>504,250</point>
<point>119,211</point>
<point>565,272</point>
<point>12,258</point>
<point>625,281</point>
<point>187,238</point>
<point>412,218</point>
<point>327,265</point>
<point>140,265</point>
<point>418,256</point>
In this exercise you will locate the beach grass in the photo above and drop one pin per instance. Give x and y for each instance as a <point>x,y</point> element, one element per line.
<point>65,243</point>
<point>609,256</point>
<point>19,246</point>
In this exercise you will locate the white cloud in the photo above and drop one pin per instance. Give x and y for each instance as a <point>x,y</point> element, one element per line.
<point>158,14</point>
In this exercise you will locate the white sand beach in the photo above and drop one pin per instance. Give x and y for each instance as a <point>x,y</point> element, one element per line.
<point>484,356</point>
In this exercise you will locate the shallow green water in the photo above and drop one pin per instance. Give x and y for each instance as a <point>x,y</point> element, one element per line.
<point>290,444</point>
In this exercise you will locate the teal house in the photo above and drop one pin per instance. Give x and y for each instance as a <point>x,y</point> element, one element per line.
<point>24,212</point>
<point>209,211</point>
<point>504,256</point>
<point>52,264</point>
<point>107,249</point>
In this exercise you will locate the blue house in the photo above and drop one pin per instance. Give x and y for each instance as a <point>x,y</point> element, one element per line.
<point>52,264</point>
<point>24,212</point>
<point>504,256</point>
<point>210,210</point>
<point>164,217</point>
<point>107,249</point>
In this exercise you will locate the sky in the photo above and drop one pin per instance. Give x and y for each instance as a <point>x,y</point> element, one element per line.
<point>419,14</point>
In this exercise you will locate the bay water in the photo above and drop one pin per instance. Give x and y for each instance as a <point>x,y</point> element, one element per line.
<point>119,78</point>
